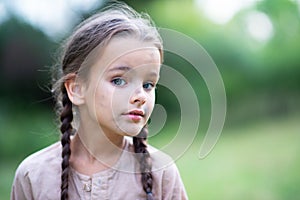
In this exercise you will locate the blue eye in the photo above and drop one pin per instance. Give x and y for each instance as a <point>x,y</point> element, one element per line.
<point>148,86</point>
<point>118,81</point>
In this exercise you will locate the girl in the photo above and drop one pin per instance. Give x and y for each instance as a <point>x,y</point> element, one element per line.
<point>109,69</point>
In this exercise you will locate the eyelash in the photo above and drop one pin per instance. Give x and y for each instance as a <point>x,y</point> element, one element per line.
<point>116,81</point>
<point>149,83</point>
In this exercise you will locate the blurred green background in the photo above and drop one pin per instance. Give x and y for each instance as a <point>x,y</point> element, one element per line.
<point>255,45</point>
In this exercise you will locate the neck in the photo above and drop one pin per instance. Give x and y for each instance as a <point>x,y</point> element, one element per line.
<point>93,151</point>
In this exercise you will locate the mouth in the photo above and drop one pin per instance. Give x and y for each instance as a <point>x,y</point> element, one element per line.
<point>136,115</point>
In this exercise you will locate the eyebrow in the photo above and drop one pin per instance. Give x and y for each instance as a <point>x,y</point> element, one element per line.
<point>154,74</point>
<point>120,68</point>
<point>125,68</point>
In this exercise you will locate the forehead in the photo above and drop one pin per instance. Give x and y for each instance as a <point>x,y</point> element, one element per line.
<point>128,50</point>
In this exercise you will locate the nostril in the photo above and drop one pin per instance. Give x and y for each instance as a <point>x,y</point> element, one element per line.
<point>140,100</point>
<point>138,96</point>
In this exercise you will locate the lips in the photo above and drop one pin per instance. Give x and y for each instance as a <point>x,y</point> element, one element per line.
<point>136,115</point>
<point>137,112</point>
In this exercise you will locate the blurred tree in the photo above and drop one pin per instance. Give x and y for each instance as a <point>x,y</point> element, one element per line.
<point>267,73</point>
<point>254,72</point>
<point>24,54</point>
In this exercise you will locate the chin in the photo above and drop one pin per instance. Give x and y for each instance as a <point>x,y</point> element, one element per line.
<point>131,132</point>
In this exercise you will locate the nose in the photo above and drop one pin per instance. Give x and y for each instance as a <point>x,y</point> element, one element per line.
<point>138,97</point>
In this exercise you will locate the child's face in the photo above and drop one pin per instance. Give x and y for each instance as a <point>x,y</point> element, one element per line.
<point>120,93</point>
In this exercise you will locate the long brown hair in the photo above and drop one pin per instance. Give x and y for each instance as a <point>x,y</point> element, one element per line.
<point>96,32</point>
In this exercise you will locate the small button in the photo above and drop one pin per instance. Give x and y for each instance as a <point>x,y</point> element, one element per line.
<point>87,187</point>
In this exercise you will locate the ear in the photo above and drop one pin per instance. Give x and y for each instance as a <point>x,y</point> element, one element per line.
<point>75,89</point>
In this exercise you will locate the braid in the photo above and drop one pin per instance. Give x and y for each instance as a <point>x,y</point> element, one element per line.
<point>66,118</point>
<point>140,148</point>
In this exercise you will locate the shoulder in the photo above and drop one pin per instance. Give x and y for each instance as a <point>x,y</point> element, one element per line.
<point>167,183</point>
<point>39,170</point>
<point>167,176</point>
<point>161,160</point>
<point>46,158</point>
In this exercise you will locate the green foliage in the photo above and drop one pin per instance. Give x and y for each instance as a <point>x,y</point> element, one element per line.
<point>253,71</point>
<point>25,57</point>
<point>250,69</point>
<point>25,129</point>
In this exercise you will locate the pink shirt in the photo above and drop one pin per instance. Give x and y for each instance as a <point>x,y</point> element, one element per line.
<point>39,177</point>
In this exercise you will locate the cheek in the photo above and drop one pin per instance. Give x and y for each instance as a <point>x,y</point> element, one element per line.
<point>151,102</point>
<point>102,97</point>
<point>111,99</point>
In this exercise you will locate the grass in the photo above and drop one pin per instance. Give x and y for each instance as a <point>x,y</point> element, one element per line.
<point>258,162</point>
<point>252,162</point>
